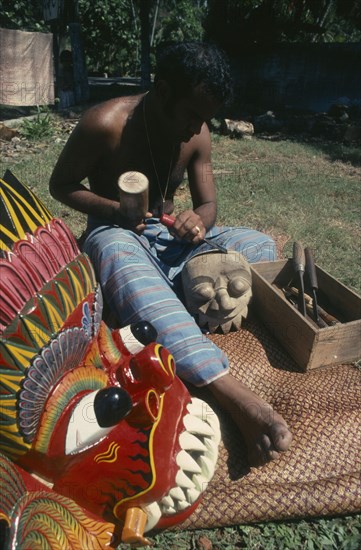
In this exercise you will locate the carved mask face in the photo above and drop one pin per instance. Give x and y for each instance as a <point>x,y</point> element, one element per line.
<point>99,414</point>
<point>217,289</point>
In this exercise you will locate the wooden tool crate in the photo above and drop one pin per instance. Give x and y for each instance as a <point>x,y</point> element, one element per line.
<point>309,345</point>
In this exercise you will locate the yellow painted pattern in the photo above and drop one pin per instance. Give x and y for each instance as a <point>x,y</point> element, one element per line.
<point>25,217</point>
<point>11,236</point>
<point>152,465</point>
<point>78,288</point>
<point>110,455</point>
<point>56,319</point>
<point>20,355</point>
<point>37,333</point>
<point>29,222</point>
<point>50,520</point>
<point>3,245</point>
<point>79,379</point>
<point>9,430</point>
<point>11,380</point>
<point>66,299</point>
<point>39,205</point>
<point>18,227</point>
<point>88,274</point>
<point>167,368</point>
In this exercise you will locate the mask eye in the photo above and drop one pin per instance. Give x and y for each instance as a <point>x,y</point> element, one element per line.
<point>203,292</point>
<point>138,335</point>
<point>111,405</point>
<point>144,332</point>
<point>237,287</point>
<point>94,416</point>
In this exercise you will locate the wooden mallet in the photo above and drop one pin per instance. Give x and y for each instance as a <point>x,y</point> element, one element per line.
<point>133,197</point>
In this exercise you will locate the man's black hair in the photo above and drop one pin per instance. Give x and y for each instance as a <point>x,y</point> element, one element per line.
<point>184,65</point>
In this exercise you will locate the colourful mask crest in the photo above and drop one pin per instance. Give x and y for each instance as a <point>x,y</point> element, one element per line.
<point>96,414</point>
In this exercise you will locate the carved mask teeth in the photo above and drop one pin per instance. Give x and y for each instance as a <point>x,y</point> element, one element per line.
<point>196,461</point>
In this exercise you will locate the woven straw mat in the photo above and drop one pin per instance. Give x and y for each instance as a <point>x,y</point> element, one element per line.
<point>320,475</point>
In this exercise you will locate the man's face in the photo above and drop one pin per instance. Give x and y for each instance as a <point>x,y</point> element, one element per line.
<point>187,115</point>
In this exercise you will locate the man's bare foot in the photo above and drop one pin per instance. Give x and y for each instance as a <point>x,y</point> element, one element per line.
<point>265,432</point>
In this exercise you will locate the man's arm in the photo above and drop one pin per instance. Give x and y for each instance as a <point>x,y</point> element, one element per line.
<point>89,141</point>
<point>203,192</point>
<point>200,177</point>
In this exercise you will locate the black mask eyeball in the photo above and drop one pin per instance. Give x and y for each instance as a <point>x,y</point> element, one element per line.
<point>144,332</point>
<point>111,405</point>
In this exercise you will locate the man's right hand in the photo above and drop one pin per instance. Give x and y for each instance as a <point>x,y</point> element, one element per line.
<point>137,226</point>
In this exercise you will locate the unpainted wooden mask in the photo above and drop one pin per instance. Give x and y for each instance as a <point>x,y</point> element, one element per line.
<point>217,289</point>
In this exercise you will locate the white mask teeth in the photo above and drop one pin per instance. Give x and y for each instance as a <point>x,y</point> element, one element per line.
<point>168,510</point>
<point>182,504</point>
<point>183,481</point>
<point>192,495</point>
<point>187,463</point>
<point>154,513</point>
<point>167,501</point>
<point>200,482</point>
<point>207,466</point>
<point>212,449</point>
<point>198,408</point>
<point>213,421</point>
<point>177,494</point>
<point>196,459</point>
<point>190,442</point>
<point>196,426</point>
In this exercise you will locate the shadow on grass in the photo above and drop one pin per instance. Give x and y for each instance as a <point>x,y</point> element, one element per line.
<point>348,153</point>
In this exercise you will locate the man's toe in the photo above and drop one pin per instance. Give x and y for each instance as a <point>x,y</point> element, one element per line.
<point>281,436</point>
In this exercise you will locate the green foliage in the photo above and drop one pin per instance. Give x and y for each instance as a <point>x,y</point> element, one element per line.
<point>111,35</point>
<point>39,127</point>
<point>237,23</point>
<point>182,20</point>
<point>111,30</point>
<point>22,15</point>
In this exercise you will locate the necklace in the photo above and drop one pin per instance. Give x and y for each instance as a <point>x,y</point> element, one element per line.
<point>163,195</point>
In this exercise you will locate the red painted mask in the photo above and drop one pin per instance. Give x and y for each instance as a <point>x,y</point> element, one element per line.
<point>99,414</point>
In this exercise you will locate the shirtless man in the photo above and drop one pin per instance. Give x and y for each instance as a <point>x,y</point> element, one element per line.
<point>163,134</point>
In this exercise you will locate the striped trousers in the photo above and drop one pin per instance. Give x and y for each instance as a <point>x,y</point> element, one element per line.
<point>140,280</point>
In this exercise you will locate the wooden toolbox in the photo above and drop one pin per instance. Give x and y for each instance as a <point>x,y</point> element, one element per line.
<point>309,345</point>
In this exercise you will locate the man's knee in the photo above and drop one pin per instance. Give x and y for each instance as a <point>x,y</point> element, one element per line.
<point>113,245</point>
<point>262,249</point>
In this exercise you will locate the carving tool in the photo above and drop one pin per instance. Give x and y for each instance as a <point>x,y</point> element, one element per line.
<point>327,317</point>
<point>312,276</point>
<point>168,221</point>
<point>291,295</point>
<point>298,260</point>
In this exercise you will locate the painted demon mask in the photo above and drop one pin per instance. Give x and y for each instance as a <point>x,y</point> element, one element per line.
<point>217,289</point>
<point>98,414</point>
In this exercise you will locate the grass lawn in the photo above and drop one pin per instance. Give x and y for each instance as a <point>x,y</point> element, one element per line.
<point>294,191</point>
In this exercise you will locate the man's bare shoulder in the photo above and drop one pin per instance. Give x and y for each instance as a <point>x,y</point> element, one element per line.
<point>200,144</point>
<point>109,117</point>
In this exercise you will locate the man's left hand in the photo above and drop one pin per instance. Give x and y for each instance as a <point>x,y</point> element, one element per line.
<point>189,226</point>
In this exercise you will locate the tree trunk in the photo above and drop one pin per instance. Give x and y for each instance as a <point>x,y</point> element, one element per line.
<point>81,88</point>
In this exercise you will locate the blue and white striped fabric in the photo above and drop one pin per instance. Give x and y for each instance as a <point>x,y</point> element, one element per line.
<point>140,279</point>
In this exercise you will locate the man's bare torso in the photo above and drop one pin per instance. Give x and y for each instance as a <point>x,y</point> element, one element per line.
<point>127,149</point>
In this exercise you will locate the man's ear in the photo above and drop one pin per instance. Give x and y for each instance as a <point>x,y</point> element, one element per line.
<point>163,91</point>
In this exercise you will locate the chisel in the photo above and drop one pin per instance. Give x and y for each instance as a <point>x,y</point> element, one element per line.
<point>298,260</point>
<point>312,277</point>
<point>168,221</point>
